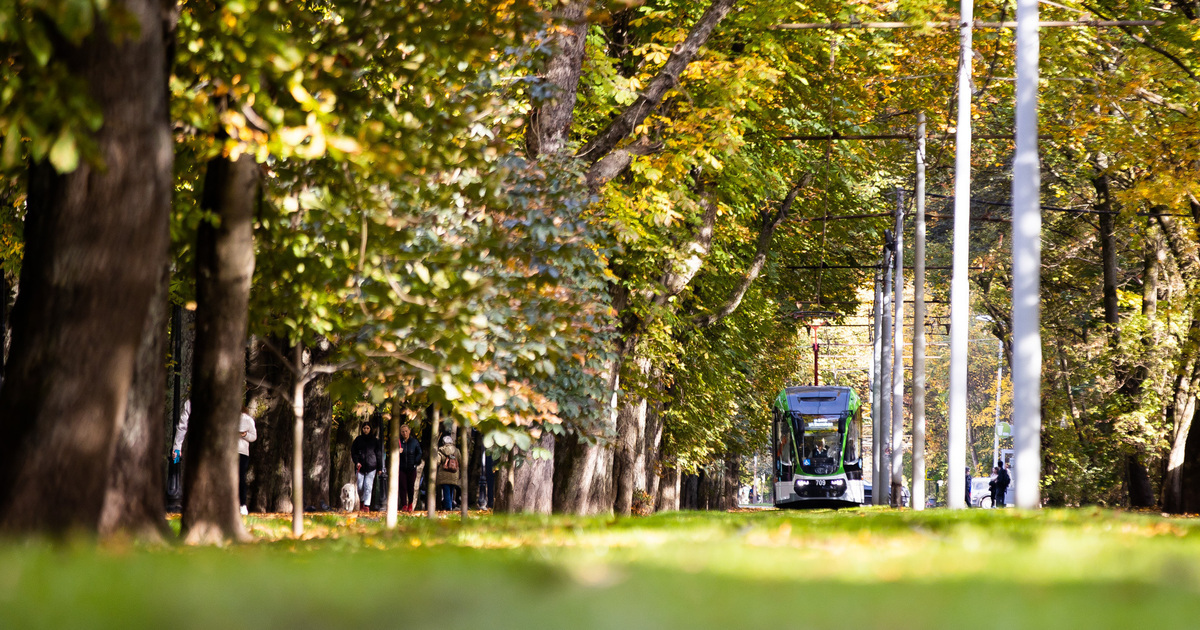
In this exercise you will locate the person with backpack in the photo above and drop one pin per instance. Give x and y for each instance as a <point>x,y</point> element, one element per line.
<point>1002,481</point>
<point>448,460</point>
<point>367,453</point>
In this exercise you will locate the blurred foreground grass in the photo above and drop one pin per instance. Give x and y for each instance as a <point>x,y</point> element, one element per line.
<point>869,567</point>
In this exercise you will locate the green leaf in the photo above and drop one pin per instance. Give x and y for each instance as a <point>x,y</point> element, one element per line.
<point>64,155</point>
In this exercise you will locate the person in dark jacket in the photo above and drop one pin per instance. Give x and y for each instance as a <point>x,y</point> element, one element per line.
<point>410,458</point>
<point>367,454</point>
<point>1002,481</point>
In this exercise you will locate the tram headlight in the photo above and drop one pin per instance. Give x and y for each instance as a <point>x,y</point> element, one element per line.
<point>820,487</point>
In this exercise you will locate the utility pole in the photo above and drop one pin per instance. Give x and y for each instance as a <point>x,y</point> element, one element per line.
<point>877,380</point>
<point>1027,267</point>
<point>999,377</point>
<point>960,301</point>
<point>897,450</point>
<point>880,492</point>
<point>918,408</point>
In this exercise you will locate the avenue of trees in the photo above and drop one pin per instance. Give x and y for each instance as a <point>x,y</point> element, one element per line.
<point>584,229</point>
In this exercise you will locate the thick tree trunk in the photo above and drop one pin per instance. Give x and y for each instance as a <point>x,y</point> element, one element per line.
<point>550,122</point>
<point>1189,474</point>
<point>667,499</point>
<point>1183,407</point>
<point>135,500</point>
<point>318,424</point>
<point>583,475</point>
<point>341,466</point>
<point>224,270</point>
<point>96,241</point>
<point>631,431</point>
<point>528,488</point>
<point>651,459</point>
<point>270,474</point>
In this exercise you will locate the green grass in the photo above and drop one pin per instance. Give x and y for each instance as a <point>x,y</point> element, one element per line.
<point>870,568</point>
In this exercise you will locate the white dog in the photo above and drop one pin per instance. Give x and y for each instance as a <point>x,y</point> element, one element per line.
<point>349,498</point>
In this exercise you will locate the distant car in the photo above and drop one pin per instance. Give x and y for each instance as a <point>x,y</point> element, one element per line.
<point>904,494</point>
<point>980,494</point>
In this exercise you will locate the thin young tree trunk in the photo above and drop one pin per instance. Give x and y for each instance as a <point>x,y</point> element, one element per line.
<point>95,242</point>
<point>298,445</point>
<point>431,464</point>
<point>135,499</point>
<point>393,496</point>
<point>463,484</point>
<point>224,270</point>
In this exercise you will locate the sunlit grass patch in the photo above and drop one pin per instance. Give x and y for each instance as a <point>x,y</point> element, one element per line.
<point>869,567</point>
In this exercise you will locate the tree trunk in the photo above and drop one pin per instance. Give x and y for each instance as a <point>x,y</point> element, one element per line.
<point>431,464</point>
<point>95,243</point>
<point>269,477</point>
<point>341,466</point>
<point>550,121</point>
<point>652,452</point>
<point>631,431</point>
<point>393,450</point>
<point>463,483</point>
<point>298,445</point>
<point>530,486</point>
<point>224,270</point>
<point>1189,473</point>
<point>135,500</point>
<point>318,424</point>
<point>667,499</point>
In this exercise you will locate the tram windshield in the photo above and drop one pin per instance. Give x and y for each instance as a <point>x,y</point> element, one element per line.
<point>821,445</point>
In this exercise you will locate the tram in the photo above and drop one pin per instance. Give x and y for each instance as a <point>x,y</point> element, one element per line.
<point>816,438</point>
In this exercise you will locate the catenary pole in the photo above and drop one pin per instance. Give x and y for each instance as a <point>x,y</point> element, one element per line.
<point>877,379</point>
<point>897,384</point>
<point>1027,263</point>
<point>880,492</point>
<point>996,423</point>
<point>956,460</point>
<point>918,374</point>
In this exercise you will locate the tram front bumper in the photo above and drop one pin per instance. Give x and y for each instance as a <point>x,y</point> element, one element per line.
<point>824,488</point>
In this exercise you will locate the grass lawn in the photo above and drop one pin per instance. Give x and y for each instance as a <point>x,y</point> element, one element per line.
<point>868,567</point>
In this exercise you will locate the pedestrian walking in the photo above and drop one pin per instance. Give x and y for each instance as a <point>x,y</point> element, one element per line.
<point>1003,479</point>
<point>247,433</point>
<point>448,460</point>
<point>410,458</point>
<point>367,454</point>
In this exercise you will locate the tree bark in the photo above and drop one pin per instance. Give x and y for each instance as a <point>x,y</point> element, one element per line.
<point>550,122</point>
<point>463,466</point>
<point>431,464</point>
<point>96,241</point>
<point>393,450</point>
<point>631,431</point>
<point>667,78</point>
<point>667,499</point>
<point>318,425</point>
<point>135,499</point>
<point>298,445</point>
<point>270,477</point>
<point>224,270</point>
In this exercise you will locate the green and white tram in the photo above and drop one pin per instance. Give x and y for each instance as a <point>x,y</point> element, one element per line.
<point>816,437</point>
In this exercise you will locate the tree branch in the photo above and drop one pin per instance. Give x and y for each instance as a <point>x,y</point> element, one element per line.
<point>617,161</point>
<point>1129,31</point>
<point>762,248</point>
<point>620,128</point>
